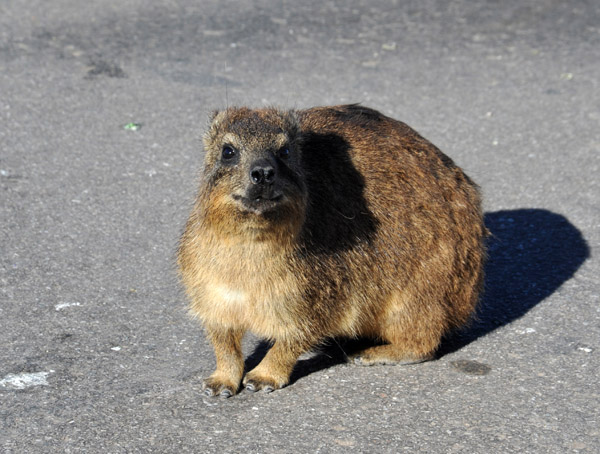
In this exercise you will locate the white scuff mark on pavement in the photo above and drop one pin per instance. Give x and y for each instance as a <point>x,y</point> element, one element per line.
<point>527,331</point>
<point>27,380</point>
<point>116,349</point>
<point>61,306</point>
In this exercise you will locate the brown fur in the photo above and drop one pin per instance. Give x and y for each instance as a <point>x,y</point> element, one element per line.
<point>378,234</point>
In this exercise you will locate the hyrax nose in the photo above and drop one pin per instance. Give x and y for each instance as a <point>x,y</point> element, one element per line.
<point>263,172</point>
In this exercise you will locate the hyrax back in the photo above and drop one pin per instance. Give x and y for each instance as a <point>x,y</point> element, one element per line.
<point>331,221</point>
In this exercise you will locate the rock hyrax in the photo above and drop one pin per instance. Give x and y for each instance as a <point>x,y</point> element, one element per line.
<point>327,222</point>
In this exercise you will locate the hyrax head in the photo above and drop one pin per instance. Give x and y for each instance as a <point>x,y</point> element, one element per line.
<point>253,169</point>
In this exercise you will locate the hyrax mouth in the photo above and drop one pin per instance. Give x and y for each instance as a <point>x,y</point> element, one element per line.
<point>259,203</point>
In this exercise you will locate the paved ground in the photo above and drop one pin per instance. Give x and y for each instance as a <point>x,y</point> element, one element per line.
<point>97,352</point>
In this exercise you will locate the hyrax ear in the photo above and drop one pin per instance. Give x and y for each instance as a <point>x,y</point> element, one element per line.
<point>216,118</point>
<point>213,115</point>
<point>293,124</point>
<point>215,123</point>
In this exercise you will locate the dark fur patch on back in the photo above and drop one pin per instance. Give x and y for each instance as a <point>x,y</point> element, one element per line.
<point>360,116</point>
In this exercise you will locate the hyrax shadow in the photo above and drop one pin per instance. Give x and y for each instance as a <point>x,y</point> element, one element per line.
<point>327,222</point>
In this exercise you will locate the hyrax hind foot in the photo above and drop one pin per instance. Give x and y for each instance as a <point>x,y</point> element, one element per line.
<point>255,381</point>
<point>388,354</point>
<point>275,369</point>
<point>217,386</point>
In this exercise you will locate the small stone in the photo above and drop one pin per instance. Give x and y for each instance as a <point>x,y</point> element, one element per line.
<point>344,442</point>
<point>370,64</point>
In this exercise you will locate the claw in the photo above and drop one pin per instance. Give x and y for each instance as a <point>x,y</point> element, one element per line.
<point>359,361</point>
<point>254,386</point>
<point>208,392</point>
<point>225,393</point>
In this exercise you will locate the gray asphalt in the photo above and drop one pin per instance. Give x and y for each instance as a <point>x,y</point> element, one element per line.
<point>97,351</point>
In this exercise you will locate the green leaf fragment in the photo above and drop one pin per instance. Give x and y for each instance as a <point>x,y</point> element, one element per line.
<point>132,126</point>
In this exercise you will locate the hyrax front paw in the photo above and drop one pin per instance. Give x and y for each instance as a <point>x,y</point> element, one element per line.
<point>217,386</point>
<point>256,382</point>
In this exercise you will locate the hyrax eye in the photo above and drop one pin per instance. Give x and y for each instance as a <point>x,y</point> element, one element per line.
<point>283,152</point>
<point>228,153</point>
